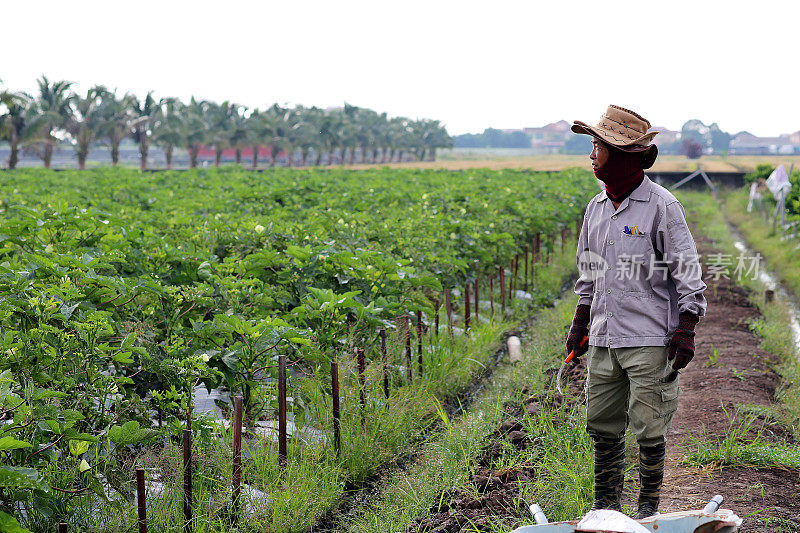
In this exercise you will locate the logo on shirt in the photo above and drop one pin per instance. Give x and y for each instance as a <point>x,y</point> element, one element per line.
<point>633,230</point>
<point>591,265</point>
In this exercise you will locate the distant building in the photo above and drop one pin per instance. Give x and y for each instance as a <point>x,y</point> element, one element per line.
<point>549,139</point>
<point>745,143</point>
<point>665,137</point>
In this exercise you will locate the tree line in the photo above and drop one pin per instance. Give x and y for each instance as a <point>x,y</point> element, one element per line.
<point>56,114</point>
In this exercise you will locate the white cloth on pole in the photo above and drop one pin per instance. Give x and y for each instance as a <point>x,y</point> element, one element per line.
<point>778,183</point>
<point>755,196</point>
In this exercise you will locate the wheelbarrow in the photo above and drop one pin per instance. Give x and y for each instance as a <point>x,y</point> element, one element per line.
<point>710,519</point>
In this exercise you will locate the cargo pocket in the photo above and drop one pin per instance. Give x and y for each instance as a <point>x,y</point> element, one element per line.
<point>669,400</point>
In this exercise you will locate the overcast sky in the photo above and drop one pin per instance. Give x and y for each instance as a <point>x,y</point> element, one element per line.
<point>504,64</point>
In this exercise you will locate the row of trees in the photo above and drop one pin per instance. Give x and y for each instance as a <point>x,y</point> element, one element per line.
<point>58,115</point>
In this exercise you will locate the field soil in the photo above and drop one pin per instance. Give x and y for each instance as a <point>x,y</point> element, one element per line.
<point>743,374</point>
<point>466,159</point>
<point>767,498</point>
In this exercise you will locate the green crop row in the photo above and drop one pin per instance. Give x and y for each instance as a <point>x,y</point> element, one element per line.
<point>122,291</point>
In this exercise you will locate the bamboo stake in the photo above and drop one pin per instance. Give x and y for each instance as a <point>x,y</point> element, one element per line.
<point>466,309</point>
<point>419,342</point>
<point>362,380</point>
<point>526,267</point>
<point>503,290</point>
<point>385,359</point>
<point>237,458</point>
<point>337,418</point>
<point>448,306</point>
<point>491,294</point>
<point>436,318</point>
<point>187,480</point>
<point>408,349</point>
<point>477,298</point>
<point>142,500</point>
<point>282,452</point>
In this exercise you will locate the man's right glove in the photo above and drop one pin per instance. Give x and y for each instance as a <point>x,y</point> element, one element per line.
<point>681,345</point>
<point>579,330</point>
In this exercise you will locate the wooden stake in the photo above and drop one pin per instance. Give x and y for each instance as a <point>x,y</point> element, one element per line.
<point>408,349</point>
<point>477,298</point>
<point>362,380</point>
<point>187,480</point>
<point>62,527</point>
<point>526,267</point>
<point>419,342</point>
<point>502,290</point>
<point>385,360</point>
<point>142,500</point>
<point>491,294</point>
<point>466,309</point>
<point>769,295</point>
<point>282,448</point>
<point>337,419</point>
<point>448,307</point>
<point>436,317</point>
<point>237,457</point>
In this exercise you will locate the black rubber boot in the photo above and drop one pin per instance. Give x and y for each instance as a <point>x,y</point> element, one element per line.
<point>609,465</point>
<point>651,476</point>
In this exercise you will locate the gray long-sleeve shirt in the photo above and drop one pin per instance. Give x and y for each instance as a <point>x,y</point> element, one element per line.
<point>637,280</point>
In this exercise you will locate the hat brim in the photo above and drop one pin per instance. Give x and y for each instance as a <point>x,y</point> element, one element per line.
<point>628,145</point>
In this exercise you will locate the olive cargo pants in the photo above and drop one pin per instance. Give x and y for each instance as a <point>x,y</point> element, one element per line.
<point>626,384</point>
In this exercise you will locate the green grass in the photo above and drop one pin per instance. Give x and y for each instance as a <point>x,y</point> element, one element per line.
<point>562,455</point>
<point>773,326</point>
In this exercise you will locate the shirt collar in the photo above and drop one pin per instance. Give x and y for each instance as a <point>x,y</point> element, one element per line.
<point>641,193</point>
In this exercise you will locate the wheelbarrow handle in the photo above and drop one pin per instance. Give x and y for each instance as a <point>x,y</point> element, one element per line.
<point>571,355</point>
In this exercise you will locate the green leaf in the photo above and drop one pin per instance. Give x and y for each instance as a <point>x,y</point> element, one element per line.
<point>298,252</point>
<point>10,443</point>
<point>9,524</point>
<point>78,447</point>
<point>15,477</point>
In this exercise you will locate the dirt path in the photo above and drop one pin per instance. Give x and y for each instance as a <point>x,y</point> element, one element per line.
<point>741,375</point>
<point>766,498</point>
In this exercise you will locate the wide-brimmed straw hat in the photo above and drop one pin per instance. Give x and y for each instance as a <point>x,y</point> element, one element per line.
<point>620,128</point>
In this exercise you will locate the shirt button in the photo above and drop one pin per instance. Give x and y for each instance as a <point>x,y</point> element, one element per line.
<point>610,242</point>
<point>613,217</point>
<point>608,267</point>
<point>610,313</point>
<point>609,291</point>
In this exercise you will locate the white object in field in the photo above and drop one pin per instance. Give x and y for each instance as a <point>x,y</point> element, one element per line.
<point>608,520</point>
<point>778,183</point>
<point>755,197</point>
<point>514,349</point>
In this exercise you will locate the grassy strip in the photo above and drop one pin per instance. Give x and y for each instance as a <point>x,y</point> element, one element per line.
<point>780,254</point>
<point>773,327</point>
<point>562,455</point>
<point>314,478</point>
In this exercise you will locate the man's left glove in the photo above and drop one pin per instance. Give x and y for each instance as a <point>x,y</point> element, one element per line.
<point>681,345</point>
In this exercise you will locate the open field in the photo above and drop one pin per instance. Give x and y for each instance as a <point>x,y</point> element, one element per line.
<point>666,163</point>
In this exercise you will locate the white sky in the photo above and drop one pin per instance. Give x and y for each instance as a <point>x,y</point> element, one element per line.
<point>471,64</point>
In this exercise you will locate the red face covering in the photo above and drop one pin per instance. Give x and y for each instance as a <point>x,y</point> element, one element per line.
<point>622,173</point>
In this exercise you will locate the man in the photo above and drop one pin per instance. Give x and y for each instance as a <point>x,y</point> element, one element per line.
<point>639,308</point>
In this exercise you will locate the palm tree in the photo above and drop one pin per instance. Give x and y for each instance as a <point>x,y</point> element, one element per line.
<point>85,121</point>
<point>116,121</point>
<point>259,131</point>
<point>19,123</point>
<point>219,119</point>
<point>239,133</point>
<point>53,104</point>
<point>170,132</point>
<point>146,118</point>
<point>195,128</point>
